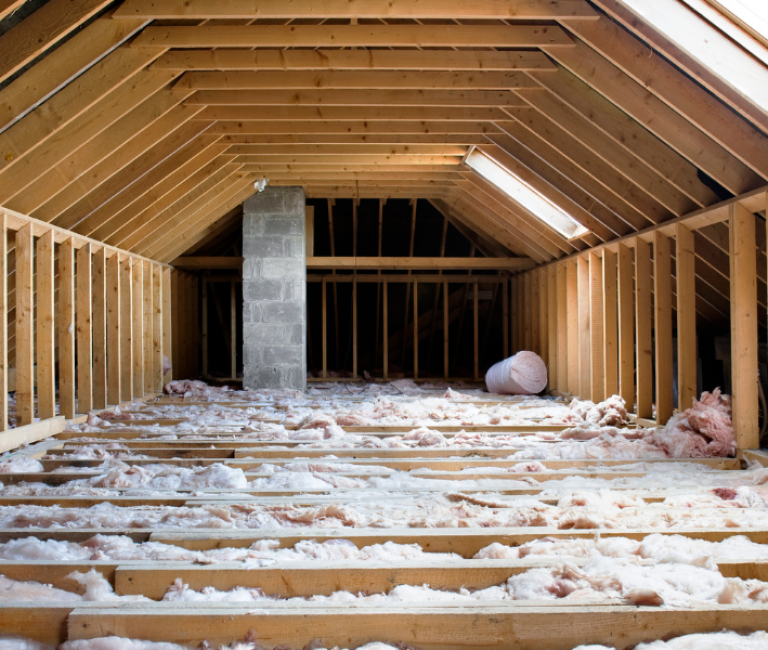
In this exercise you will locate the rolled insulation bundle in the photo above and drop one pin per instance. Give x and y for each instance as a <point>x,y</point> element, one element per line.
<point>525,373</point>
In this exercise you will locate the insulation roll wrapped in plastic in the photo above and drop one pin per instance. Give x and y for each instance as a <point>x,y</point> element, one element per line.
<point>524,373</point>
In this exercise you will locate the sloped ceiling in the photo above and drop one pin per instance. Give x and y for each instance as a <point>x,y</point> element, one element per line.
<point>143,123</point>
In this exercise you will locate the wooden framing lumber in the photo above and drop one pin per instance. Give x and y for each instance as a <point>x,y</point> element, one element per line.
<point>584,329</point>
<point>574,387</point>
<point>148,337</point>
<point>563,324</point>
<point>45,332</point>
<point>4,313</point>
<point>626,324</point>
<point>156,384</point>
<point>686,317</point>
<point>412,263</point>
<point>84,307</point>
<point>99,323</point>
<point>596,329</point>
<point>114,339</point>
<point>25,387</point>
<point>662,294</point>
<point>126,329</point>
<point>743,273</point>
<point>610,323</point>
<point>137,334</point>
<point>66,288</point>
<point>643,340</point>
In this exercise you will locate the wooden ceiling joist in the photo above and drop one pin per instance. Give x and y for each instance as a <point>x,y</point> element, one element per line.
<point>303,128</point>
<point>247,10</point>
<point>374,160</point>
<point>465,140</point>
<point>354,113</point>
<point>368,60</point>
<point>351,150</point>
<point>313,36</point>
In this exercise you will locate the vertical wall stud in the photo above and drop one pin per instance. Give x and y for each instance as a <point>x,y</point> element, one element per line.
<point>46,381</point>
<point>25,359</point>
<point>137,338</point>
<point>504,318</point>
<point>415,329</point>
<point>446,319</point>
<point>114,359</point>
<point>585,341</point>
<point>157,328</point>
<point>744,327</point>
<point>562,328</point>
<point>686,316</point>
<point>662,281</point>
<point>126,329</point>
<point>476,329</point>
<point>3,322</point>
<point>573,327</point>
<point>610,324</point>
<point>385,330</point>
<point>325,327</point>
<point>543,310</point>
<point>354,328</point>
<point>147,326</point>
<point>167,323</point>
<point>233,328</point>
<point>552,317</point>
<point>99,324</point>
<point>626,299</point>
<point>84,280</point>
<point>643,319</point>
<point>597,341</point>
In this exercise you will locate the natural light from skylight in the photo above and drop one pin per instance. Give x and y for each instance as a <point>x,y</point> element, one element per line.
<point>753,13</point>
<point>522,193</point>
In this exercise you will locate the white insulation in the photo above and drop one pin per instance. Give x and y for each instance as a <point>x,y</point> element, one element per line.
<point>524,373</point>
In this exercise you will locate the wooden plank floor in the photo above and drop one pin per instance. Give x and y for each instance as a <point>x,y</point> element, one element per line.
<point>438,625</point>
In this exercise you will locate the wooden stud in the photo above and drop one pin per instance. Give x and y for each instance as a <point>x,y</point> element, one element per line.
<point>505,318</point>
<point>325,327</point>
<point>562,327</point>
<point>476,328</point>
<point>137,338</point>
<point>167,322</point>
<point>415,329</point>
<point>626,322</point>
<point>446,321</point>
<point>126,330</point>
<point>175,315</point>
<point>527,311</point>
<point>543,281</point>
<point>84,282</point>
<point>610,324</point>
<point>662,284</point>
<point>4,368</point>
<point>515,289</point>
<point>157,328</point>
<point>597,342</point>
<point>44,348</point>
<point>99,325</point>
<point>553,317</point>
<point>534,314</point>
<point>147,328</point>
<point>385,327</point>
<point>685,258</point>
<point>585,339</point>
<point>744,344</point>
<point>573,327</point>
<point>354,328</point>
<point>233,327</point>
<point>643,319</point>
<point>114,359</point>
<point>25,363</point>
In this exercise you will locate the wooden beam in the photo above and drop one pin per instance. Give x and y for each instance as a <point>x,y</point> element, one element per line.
<point>137,336</point>
<point>242,9</point>
<point>596,333</point>
<point>126,330</point>
<point>293,36</point>
<point>662,294</point>
<point>41,30</point>
<point>584,329</point>
<point>744,343</point>
<point>610,324</point>
<point>562,327</point>
<point>345,114</point>
<point>25,359</point>
<point>84,280</point>
<point>67,382</point>
<point>4,313</point>
<point>417,60</point>
<point>301,131</point>
<point>45,331</point>
<point>167,319</point>
<point>99,323</point>
<point>148,336</point>
<point>114,358</point>
<point>355,98</point>
<point>643,340</point>
<point>157,329</point>
<point>346,149</point>
<point>418,263</point>
<point>573,327</point>
<point>685,264</point>
<point>543,280</point>
<point>626,323</point>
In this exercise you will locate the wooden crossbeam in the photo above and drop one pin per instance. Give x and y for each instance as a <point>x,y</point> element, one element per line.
<point>304,130</point>
<point>372,160</point>
<point>351,150</point>
<point>352,98</point>
<point>351,36</point>
<point>183,60</point>
<point>419,264</point>
<point>242,9</point>
<point>352,79</point>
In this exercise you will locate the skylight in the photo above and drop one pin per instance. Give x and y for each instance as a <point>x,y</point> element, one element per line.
<point>522,193</point>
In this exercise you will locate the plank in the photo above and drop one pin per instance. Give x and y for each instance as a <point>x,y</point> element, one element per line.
<point>241,9</point>
<point>596,333</point>
<point>561,272</point>
<point>643,341</point>
<point>137,334</point>
<point>572,288</point>
<point>584,329</point>
<point>610,324</point>
<point>126,330</point>
<point>66,288</point>
<point>685,261</point>
<point>45,331</point>
<point>114,356</point>
<point>147,329</point>
<point>4,312</point>
<point>662,303</point>
<point>346,79</point>
<point>328,59</point>
<point>543,280</point>
<point>30,433</point>
<point>313,36</point>
<point>626,324</point>
<point>25,386</point>
<point>167,320</point>
<point>99,323</point>
<point>84,305</point>
<point>744,342</point>
<point>157,329</point>
<point>356,114</point>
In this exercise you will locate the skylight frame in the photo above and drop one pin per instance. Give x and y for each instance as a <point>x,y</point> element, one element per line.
<point>524,195</point>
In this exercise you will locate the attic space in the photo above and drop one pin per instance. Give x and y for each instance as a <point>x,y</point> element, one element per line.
<point>383,325</point>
